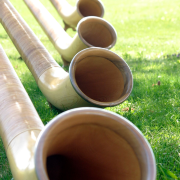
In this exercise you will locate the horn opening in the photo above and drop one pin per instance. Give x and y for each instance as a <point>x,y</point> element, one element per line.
<point>94,31</point>
<point>90,143</point>
<point>90,8</point>
<point>101,77</point>
<point>72,15</point>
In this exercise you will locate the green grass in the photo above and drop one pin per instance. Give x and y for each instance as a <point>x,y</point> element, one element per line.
<point>147,31</point>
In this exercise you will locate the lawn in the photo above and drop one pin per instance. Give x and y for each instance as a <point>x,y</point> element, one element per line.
<point>148,31</point>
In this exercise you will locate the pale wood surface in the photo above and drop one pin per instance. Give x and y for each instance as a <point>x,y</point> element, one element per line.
<point>39,61</point>
<point>17,113</point>
<point>91,31</point>
<point>72,15</point>
<point>20,124</point>
<point>29,46</point>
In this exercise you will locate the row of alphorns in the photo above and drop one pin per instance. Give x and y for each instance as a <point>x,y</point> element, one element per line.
<point>83,143</point>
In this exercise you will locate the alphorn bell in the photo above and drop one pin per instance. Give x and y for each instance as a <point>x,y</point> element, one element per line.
<point>97,76</point>
<point>91,32</point>
<point>92,143</point>
<point>79,144</point>
<point>72,15</point>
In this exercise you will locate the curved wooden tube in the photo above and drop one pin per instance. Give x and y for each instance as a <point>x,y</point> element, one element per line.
<point>84,143</point>
<point>72,15</point>
<point>102,71</point>
<point>97,77</point>
<point>91,143</point>
<point>20,124</point>
<point>91,32</point>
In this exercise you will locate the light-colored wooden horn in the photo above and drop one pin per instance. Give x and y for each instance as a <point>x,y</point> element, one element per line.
<point>91,32</point>
<point>91,143</point>
<point>20,124</point>
<point>83,143</point>
<point>72,15</point>
<point>97,76</point>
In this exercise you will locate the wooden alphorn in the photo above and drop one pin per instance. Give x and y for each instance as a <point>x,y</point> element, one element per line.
<point>20,124</point>
<point>72,15</point>
<point>91,32</point>
<point>83,143</point>
<point>92,143</point>
<point>97,76</point>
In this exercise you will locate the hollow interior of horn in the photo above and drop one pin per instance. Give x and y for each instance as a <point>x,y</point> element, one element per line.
<point>95,32</point>
<point>79,151</point>
<point>101,77</point>
<point>90,8</point>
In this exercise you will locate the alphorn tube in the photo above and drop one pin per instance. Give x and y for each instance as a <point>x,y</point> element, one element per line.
<point>98,77</point>
<point>72,15</point>
<point>20,124</point>
<point>83,143</point>
<point>91,32</point>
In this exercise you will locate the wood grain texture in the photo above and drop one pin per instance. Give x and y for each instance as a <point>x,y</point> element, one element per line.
<point>91,31</point>
<point>17,113</point>
<point>28,45</point>
<point>40,62</point>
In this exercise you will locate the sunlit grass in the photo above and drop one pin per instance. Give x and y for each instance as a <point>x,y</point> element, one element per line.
<point>147,31</point>
<point>154,109</point>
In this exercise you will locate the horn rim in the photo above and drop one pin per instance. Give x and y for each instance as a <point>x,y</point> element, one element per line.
<point>103,21</point>
<point>41,173</point>
<point>100,4</point>
<point>83,95</point>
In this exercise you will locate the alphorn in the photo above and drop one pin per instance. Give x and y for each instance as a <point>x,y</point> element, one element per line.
<point>20,124</point>
<point>97,76</point>
<point>91,32</point>
<point>79,144</point>
<point>72,15</point>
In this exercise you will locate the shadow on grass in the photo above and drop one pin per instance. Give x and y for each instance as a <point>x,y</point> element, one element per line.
<point>149,99</point>
<point>155,109</point>
<point>4,36</point>
<point>142,65</point>
<point>5,172</point>
<point>167,157</point>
